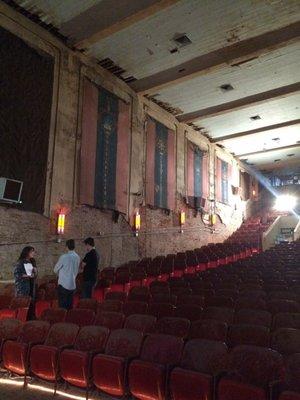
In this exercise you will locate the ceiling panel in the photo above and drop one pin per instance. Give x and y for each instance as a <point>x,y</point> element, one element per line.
<point>270,157</point>
<point>144,48</point>
<point>276,69</point>
<point>264,140</point>
<point>271,112</point>
<point>56,12</point>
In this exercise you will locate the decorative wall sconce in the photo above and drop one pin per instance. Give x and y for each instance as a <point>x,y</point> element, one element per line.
<point>61,223</point>
<point>213,219</point>
<point>182,220</point>
<point>137,223</point>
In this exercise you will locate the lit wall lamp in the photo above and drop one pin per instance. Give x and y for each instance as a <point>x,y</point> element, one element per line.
<point>61,224</point>
<point>182,220</point>
<point>213,219</point>
<point>137,223</point>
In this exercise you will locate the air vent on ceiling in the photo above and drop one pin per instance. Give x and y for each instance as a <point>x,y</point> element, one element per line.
<point>277,160</point>
<point>276,139</point>
<point>290,155</point>
<point>182,40</point>
<point>255,117</point>
<point>227,87</point>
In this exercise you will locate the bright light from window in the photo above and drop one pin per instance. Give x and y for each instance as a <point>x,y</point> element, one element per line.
<point>285,203</point>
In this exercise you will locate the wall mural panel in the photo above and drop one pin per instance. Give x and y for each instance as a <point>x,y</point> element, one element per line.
<point>197,176</point>
<point>105,142</point>
<point>160,166</point>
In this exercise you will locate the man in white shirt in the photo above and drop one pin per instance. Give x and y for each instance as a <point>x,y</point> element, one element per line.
<point>67,269</point>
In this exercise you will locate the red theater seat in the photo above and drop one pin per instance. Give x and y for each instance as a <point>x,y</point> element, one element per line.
<point>286,341</point>
<point>120,296</point>
<point>164,298</point>
<point>188,311</point>
<point>111,305</point>
<point>15,352</point>
<point>292,379</point>
<point>253,317</point>
<point>219,301</point>
<point>191,299</point>
<point>139,293</point>
<point>75,364</point>
<point>110,368</point>
<point>160,310</point>
<point>286,320</point>
<point>88,304</point>
<point>18,308</point>
<point>80,316</point>
<point>209,329</point>
<point>250,372</point>
<point>9,329</point>
<point>248,334</point>
<point>5,301</point>
<point>44,358</point>
<point>219,314</point>
<point>54,315</point>
<point>173,326</point>
<point>40,306</point>
<point>279,305</point>
<point>112,320</point>
<point>194,378</point>
<point>135,307</point>
<point>147,375</point>
<point>250,303</point>
<point>140,322</point>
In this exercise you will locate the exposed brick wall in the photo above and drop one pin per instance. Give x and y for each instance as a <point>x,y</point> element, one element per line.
<point>115,240</point>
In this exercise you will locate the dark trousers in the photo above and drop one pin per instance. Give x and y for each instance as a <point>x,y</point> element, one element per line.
<point>87,289</point>
<point>65,297</point>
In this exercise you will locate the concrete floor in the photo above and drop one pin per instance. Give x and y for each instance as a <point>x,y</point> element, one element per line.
<point>12,389</point>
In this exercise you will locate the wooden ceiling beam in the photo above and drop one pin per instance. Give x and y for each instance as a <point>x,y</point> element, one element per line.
<point>291,146</point>
<point>239,104</point>
<point>234,55</point>
<point>125,23</point>
<point>258,130</point>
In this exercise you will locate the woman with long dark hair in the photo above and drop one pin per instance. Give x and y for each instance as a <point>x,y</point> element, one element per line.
<point>25,272</point>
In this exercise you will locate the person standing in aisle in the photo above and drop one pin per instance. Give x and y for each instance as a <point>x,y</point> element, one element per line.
<point>90,265</point>
<point>67,269</point>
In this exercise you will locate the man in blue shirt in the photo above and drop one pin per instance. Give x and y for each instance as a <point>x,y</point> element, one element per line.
<point>67,269</point>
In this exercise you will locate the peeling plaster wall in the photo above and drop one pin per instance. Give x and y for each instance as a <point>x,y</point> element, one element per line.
<point>160,232</point>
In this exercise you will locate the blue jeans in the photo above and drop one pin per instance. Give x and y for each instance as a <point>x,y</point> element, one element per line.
<point>65,298</point>
<point>87,289</point>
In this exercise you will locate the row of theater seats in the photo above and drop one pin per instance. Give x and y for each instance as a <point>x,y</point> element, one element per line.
<point>143,272</point>
<point>121,361</point>
<point>251,231</point>
<point>251,327</point>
